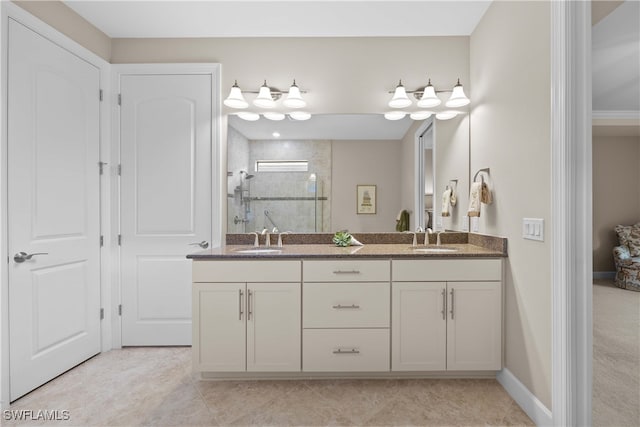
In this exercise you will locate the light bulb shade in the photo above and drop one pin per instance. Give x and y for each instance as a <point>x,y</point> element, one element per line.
<point>249,116</point>
<point>294,98</point>
<point>395,115</point>
<point>400,98</point>
<point>458,98</point>
<point>235,98</point>
<point>429,98</point>
<point>300,115</point>
<point>273,115</point>
<point>420,115</point>
<point>446,115</point>
<point>264,99</point>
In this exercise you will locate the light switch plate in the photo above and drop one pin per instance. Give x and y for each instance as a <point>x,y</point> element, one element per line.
<point>533,228</point>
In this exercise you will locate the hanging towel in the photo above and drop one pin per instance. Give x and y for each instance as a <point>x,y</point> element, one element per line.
<point>485,194</point>
<point>402,221</point>
<point>446,201</point>
<point>474,199</point>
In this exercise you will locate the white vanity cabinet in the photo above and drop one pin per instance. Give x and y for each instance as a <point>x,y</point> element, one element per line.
<point>346,316</point>
<point>246,316</point>
<point>447,315</point>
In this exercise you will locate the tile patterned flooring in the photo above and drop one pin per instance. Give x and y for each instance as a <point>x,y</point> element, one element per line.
<point>155,387</point>
<point>616,356</point>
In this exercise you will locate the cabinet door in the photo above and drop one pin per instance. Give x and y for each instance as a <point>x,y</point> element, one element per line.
<point>419,326</point>
<point>474,332</point>
<point>219,314</point>
<point>273,327</point>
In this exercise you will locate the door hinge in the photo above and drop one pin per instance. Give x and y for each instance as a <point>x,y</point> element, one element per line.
<point>119,99</point>
<point>101,241</point>
<point>102,165</point>
<point>100,94</point>
<point>120,309</point>
<point>119,239</point>
<point>119,170</point>
<point>101,313</point>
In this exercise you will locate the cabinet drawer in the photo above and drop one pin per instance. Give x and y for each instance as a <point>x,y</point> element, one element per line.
<point>447,270</point>
<point>345,350</point>
<point>346,305</point>
<point>247,271</point>
<point>346,271</point>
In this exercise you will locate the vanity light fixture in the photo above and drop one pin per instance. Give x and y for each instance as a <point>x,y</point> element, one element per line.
<point>300,115</point>
<point>458,98</point>
<point>400,98</point>
<point>235,98</point>
<point>395,115</point>
<point>249,116</point>
<point>264,98</point>
<point>427,98</point>
<point>294,98</point>
<point>273,115</point>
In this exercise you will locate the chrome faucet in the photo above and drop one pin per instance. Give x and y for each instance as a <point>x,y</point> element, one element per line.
<point>267,238</point>
<point>280,237</point>
<point>438,242</point>
<point>426,236</point>
<point>256,242</point>
<point>415,238</point>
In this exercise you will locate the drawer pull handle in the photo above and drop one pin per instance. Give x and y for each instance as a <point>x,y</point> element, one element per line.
<point>346,271</point>
<point>351,351</point>
<point>342,307</point>
<point>444,304</point>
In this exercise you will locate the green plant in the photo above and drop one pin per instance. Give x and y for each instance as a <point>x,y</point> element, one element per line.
<point>342,238</point>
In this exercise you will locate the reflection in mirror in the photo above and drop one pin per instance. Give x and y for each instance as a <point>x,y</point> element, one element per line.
<point>305,178</point>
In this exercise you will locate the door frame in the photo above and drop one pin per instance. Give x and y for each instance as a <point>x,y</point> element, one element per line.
<point>10,11</point>
<point>419,146</point>
<point>118,70</point>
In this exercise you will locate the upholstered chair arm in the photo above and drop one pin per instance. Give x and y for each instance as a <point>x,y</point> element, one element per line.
<point>622,256</point>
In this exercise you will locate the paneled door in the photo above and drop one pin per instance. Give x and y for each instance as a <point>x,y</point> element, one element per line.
<point>166,166</point>
<point>53,209</point>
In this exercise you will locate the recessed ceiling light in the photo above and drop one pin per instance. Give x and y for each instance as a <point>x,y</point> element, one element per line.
<point>276,134</point>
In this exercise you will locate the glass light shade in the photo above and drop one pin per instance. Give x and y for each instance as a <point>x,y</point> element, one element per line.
<point>273,115</point>
<point>300,115</point>
<point>249,116</point>
<point>429,98</point>
<point>420,115</point>
<point>264,99</point>
<point>395,115</point>
<point>235,98</point>
<point>458,98</point>
<point>400,98</point>
<point>294,98</point>
<point>446,115</point>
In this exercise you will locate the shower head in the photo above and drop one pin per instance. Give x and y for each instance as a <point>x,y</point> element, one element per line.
<point>246,175</point>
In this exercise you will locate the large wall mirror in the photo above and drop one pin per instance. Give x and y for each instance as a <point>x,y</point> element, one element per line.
<point>305,176</point>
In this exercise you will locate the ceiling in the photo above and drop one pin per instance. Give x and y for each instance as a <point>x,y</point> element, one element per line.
<point>289,18</point>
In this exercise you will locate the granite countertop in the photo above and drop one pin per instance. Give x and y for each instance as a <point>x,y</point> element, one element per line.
<point>373,251</point>
<point>376,245</point>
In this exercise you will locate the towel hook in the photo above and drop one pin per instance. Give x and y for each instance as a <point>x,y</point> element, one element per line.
<point>475,177</point>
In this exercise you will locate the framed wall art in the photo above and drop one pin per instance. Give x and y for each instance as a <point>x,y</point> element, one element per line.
<point>366,199</point>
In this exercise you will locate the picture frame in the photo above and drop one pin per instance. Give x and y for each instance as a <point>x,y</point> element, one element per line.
<point>366,199</point>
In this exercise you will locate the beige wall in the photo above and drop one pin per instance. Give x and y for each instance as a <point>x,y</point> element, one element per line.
<point>616,193</point>
<point>342,75</point>
<point>510,133</point>
<point>452,162</point>
<point>69,23</point>
<point>365,162</point>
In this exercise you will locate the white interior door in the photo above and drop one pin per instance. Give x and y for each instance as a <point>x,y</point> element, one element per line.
<point>166,139</point>
<point>53,208</point>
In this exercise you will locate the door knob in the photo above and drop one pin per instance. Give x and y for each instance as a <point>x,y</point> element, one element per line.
<point>23,256</point>
<point>204,244</point>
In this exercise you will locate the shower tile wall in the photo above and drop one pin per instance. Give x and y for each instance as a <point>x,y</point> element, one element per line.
<point>298,215</point>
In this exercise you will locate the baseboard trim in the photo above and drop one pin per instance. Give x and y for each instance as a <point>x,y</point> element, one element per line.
<point>530,404</point>
<point>604,274</point>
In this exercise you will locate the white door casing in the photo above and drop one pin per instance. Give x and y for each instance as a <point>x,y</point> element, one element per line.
<point>53,208</point>
<point>166,200</point>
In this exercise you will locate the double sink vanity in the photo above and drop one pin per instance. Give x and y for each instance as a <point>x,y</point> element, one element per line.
<point>311,309</point>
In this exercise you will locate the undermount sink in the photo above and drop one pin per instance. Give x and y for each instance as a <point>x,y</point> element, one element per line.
<point>434,250</point>
<point>258,251</point>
